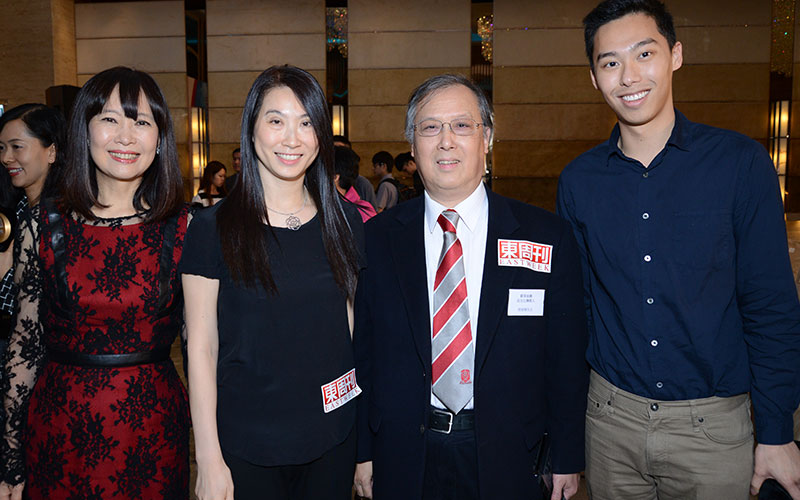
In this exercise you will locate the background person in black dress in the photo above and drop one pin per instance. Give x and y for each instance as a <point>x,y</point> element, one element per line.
<point>268,277</point>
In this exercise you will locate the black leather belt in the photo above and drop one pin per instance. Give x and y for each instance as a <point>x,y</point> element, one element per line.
<point>108,360</point>
<point>446,422</point>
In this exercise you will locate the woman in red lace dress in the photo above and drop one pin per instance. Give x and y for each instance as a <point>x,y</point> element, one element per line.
<point>94,407</point>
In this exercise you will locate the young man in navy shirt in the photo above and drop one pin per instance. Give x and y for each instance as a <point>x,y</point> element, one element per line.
<point>690,299</point>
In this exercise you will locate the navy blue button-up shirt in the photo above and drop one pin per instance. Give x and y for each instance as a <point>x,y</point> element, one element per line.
<point>689,288</point>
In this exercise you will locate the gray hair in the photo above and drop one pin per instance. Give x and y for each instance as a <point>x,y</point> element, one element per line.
<point>436,83</point>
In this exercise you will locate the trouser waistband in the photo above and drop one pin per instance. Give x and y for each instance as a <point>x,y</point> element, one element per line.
<point>610,394</point>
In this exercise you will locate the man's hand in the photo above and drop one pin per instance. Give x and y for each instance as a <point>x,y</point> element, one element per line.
<point>780,462</point>
<point>566,485</point>
<point>363,479</point>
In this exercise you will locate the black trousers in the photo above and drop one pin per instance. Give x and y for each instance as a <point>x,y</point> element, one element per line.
<point>451,466</point>
<point>330,477</point>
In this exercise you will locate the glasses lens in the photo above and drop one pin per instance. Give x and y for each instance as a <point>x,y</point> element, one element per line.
<point>429,128</point>
<point>463,127</point>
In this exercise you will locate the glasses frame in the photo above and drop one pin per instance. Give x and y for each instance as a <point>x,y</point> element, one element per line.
<point>449,124</point>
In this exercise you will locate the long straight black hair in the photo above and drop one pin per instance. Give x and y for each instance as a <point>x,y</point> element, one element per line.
<point>241,218</point>
<point>160,194</point>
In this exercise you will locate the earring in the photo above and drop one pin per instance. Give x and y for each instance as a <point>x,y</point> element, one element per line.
<point>158,150</point>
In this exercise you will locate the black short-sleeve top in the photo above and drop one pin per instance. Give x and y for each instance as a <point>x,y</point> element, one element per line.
<point>279,353</point>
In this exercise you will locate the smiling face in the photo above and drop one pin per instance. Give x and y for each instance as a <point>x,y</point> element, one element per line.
<point>451,166</point>
<point>633,71</point>
<point>122,148</point>
<point>25,158</point>
<point>283,137</point>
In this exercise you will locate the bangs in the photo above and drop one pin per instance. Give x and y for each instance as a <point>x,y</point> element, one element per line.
<point>129,91</point>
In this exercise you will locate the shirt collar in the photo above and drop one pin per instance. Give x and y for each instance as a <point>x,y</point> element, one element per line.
<point>469,210</point>
<point>680,137</point>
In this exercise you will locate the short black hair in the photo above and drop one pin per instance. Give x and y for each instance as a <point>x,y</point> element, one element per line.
<point>344,140</point>
<point>401,160</point>
<point>345,165</point>
<point>383,158</point>
<point>611,10</point>
<point>237,150</point>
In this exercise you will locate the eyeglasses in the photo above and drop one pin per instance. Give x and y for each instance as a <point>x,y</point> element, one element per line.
<point>432,128</point>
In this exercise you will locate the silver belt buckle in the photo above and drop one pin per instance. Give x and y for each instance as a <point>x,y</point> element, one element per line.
<point>449,422</point>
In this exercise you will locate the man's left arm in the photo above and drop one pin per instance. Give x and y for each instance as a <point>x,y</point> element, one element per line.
<point>770,312</point>
<point>566,371</point>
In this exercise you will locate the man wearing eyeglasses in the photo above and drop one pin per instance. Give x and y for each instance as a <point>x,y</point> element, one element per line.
<point>484,352</point>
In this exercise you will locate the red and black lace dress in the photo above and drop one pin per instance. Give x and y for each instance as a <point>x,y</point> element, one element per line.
<point>95,407</point>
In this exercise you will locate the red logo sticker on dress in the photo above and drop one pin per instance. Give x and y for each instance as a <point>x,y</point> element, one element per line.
<point>521,253</point>
<point>465,376</point>
<point>340,391</point>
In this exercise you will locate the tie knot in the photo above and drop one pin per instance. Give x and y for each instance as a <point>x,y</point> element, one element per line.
<point>448,220</point>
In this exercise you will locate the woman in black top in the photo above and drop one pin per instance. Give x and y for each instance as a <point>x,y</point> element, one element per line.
<point>269,275</point>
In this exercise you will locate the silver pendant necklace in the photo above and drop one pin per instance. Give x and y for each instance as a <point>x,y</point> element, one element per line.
<point>293,221</point>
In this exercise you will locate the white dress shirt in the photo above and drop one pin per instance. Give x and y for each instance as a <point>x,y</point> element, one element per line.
<point>471,231</point>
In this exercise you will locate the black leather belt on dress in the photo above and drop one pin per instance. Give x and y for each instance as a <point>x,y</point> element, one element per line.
<point>108,360</point>
<point>446,422</point>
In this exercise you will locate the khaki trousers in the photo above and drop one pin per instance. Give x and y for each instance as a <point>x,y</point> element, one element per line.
<point>642,449</point>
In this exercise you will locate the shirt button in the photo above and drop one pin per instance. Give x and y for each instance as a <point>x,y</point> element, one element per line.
<point>654,406</point>
<point>645,216</point>
<point>650,300</point>
<point>422,429</point>
<point>647,258</point>
<point>644,175</point>
<point>654,343</point>
<point>659,385</point>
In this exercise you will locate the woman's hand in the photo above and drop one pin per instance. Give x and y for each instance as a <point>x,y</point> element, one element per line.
<point>8,492</point>
<point>214,482</point>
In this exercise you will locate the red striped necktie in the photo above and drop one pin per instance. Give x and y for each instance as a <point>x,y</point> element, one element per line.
<point>453,352</point>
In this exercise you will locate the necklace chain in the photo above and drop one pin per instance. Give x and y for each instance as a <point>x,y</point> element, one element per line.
<point>292,221</point>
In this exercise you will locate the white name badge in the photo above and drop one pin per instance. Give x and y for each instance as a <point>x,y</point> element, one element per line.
<point>339,391</point>
<point>525,302</point>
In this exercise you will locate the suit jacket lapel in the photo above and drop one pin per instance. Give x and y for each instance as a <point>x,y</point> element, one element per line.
<point>496,280</point>
<point>408,254</point>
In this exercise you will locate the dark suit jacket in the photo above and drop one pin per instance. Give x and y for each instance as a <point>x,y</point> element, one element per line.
<point>530,373</point>
<point>231,181</point>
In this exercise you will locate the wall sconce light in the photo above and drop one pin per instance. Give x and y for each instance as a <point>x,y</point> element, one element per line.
<point>199,145</point>
<point>337,119</point>
<point>779,134</point>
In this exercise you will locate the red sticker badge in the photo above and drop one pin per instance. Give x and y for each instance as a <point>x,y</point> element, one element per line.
<point>340,391</point>
<point>521,253</point>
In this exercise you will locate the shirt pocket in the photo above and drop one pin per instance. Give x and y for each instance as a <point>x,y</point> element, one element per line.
<point>702,239</point>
